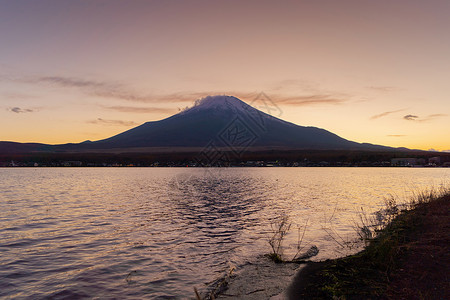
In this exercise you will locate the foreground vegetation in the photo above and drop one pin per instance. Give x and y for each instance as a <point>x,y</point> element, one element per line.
<point>406,258</point>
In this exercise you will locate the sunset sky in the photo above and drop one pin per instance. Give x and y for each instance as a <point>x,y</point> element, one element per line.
<point>369,71</point>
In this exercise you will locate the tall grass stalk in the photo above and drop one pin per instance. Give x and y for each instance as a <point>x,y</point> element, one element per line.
<point>279,231</point>
<point>369,227</point>
<point>280,228</point>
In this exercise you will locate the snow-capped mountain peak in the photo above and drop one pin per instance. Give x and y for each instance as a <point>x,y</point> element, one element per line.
<point>220,103</point>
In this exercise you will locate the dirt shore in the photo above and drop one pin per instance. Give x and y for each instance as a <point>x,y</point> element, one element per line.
<point>263,279</point>
<point>409,260</point>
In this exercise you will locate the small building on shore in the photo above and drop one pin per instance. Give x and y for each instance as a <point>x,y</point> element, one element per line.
<point>434,161</point>
<point>403,162</point>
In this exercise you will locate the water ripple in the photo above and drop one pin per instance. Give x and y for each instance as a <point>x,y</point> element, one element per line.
<point>157,233</point>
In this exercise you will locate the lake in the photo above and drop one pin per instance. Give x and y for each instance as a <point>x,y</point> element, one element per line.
<point>159,232</point>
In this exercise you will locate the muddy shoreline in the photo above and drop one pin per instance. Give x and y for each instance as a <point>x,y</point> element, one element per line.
<point>410,259</point>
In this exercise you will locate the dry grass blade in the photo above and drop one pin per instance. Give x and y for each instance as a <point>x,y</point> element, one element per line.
<point>280,229</point>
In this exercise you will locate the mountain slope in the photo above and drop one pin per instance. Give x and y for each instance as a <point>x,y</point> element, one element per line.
<point>214,121</point>
<point>218,119</point>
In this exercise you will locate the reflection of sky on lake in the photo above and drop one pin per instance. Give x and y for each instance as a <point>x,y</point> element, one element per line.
<point>157,232</point>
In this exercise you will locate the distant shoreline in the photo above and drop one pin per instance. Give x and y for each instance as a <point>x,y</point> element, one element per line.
<point>224,167</point>
<point>221,158</point>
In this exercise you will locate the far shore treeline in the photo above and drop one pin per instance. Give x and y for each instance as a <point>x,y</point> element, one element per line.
<point>201,158</point>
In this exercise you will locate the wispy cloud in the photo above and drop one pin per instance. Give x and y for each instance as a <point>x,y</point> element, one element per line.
<point>111,89</point>
<point>279,99</point>
<point>135,109</point>
<point>424,119</point>
<point>297,84</point>
<point>121,91</point>
<point>181,97</point>
<point>112,122</point>
<point>17,96</point>
<point>384,89</point>
<point>386,113</point>
<point>19,110</point>
<point>71,82</point>
<point>308,93</point>
<point>102,89</point>
<point>98,88</point>
<point>396,135</point>
<point>435,116</point>
<point>309,100</point>
<point>411,117</point>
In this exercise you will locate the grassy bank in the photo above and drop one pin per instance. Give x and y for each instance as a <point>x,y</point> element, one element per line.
<point>408,259</point>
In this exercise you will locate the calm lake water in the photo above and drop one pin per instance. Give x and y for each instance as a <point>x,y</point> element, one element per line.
<point>159,232</point>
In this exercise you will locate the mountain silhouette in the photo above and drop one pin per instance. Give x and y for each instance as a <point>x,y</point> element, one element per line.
<point>223,122</point>
<point>226,121</point>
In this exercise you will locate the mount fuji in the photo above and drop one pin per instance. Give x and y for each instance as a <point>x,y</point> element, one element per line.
<point>223,122</point>
<point>210,118</point>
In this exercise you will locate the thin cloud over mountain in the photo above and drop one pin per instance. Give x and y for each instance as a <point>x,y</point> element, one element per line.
<point>108,89</point>
<point>302,85</point>
<point>309,100</point>
<point>121,91</point>
<point>135,109</point>
<point>112,122</point>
